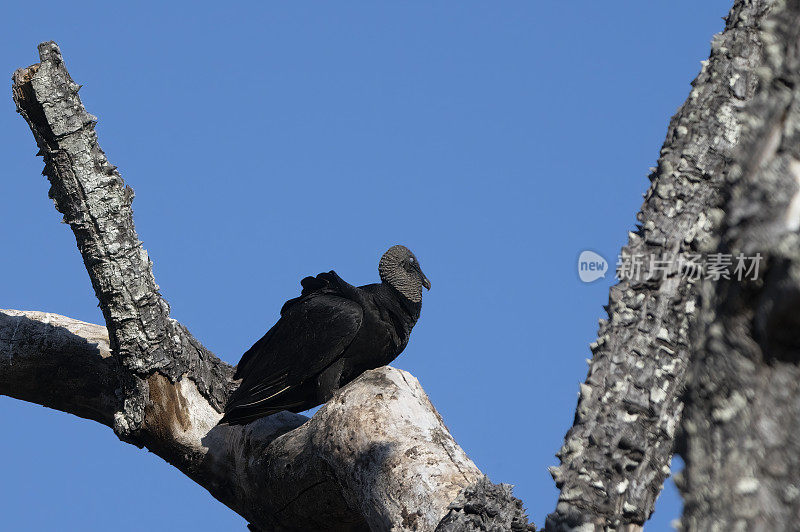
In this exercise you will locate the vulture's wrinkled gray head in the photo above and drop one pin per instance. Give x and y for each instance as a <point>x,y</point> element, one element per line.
<point>400,269</point>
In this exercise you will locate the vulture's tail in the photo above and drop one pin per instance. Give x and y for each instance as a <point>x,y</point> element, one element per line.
<point>242,410</point>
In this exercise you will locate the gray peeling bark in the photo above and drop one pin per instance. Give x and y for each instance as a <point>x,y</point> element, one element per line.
<point>617,454</point>
<point>376,456</point>
<point>742,417</point>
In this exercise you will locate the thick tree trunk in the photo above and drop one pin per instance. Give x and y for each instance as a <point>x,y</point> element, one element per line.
<point>376,456</point>
<point>617,454</point>
<point>742,417</point>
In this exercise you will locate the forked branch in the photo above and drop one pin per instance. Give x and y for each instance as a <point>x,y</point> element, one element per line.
<point>376,456</point>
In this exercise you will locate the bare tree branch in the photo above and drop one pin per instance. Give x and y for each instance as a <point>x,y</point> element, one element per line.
<point>742,416</point>
<point>376,456</point>
<point>95,202</point>
<point>61,363</point>
<point>616,456</point>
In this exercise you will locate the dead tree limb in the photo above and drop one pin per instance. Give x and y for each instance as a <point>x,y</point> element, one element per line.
<point>376,456</point>
<point>381,437</point>
<point>742,417</point>
<point>617,454</point>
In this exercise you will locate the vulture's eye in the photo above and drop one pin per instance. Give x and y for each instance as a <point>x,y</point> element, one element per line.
<point>411,260</point>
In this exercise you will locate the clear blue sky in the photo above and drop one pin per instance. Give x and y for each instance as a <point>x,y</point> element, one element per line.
<point>267,141</point>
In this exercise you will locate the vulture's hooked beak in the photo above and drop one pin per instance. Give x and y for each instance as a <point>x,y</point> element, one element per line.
<point>425,282</point>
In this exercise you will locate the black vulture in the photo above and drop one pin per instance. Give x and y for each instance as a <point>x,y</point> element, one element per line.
<point>327,337</point>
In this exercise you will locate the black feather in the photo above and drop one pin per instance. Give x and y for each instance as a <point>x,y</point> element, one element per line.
<point>324,338</point>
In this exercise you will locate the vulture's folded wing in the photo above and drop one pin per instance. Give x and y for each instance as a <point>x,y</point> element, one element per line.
<point>312,334</point>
